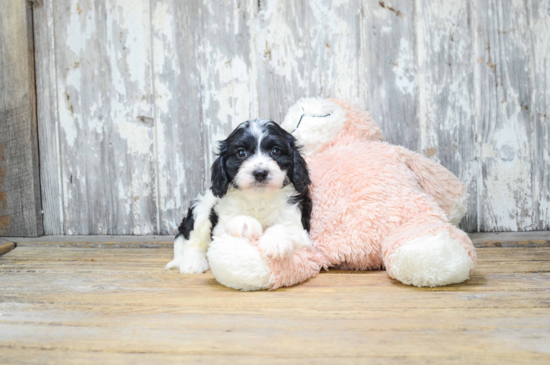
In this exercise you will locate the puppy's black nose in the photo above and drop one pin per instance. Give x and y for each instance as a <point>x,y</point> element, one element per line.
<point>260,175</point>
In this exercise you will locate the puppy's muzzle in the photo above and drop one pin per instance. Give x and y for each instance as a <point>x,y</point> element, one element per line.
<point>260,175</point>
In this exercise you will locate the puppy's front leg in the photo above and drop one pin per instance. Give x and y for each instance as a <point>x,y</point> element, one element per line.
<point>190,254</point>
<point>194,258</point>
<point>192,242</point>
<point>280,241</point>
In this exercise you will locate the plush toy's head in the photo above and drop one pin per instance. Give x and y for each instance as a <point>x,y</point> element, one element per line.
<point>320,123</point>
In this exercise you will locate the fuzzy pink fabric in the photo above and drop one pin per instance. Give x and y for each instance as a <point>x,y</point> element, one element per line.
<point>369,198</point>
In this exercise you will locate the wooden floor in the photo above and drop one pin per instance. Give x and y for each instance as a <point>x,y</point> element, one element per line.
<point>118,305</point>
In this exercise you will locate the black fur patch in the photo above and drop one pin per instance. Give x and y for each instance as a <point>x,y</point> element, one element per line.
<point>213,220</point>
<point>304,203</point>
<point>187,223</point>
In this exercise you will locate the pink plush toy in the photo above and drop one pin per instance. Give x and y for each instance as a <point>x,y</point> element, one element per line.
<point>375,206</point>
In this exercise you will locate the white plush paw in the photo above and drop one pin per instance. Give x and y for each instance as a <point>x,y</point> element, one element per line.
<point>276,246</point>
<point>431,261</point>
<point>193,263</point>
<point>237,264</point>
<point>243,226</point>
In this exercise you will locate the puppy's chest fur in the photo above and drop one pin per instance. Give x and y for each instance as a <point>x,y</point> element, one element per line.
<point>277,208</point>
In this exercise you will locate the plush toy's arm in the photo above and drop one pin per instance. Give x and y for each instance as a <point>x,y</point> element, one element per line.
<point>449,192</point>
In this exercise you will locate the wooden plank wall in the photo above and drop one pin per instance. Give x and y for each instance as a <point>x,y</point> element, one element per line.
<point>20,202</point>
<point>133,95</point>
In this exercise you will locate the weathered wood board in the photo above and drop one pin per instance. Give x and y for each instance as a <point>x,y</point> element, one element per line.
<point>133,95</point>
<point>480,240</point>
<point>116,306</point>
<point>20,201</point>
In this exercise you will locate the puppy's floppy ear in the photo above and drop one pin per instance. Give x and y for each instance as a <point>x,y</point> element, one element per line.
<point>220,181</point>
<point>299,176</point>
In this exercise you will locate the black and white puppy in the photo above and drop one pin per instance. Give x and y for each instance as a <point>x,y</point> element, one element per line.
<point>260,190</point>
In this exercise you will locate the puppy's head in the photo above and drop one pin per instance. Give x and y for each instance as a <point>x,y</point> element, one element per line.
<point>259,157</point>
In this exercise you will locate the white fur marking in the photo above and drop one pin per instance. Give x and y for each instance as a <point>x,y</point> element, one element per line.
<point>247,182</point>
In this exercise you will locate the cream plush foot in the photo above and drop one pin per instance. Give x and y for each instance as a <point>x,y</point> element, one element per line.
<point>431,261</point>
<point>237,264</point>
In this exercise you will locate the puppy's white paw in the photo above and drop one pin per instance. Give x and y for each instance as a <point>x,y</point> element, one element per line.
<point>173,264</point>
<point>243,226</point>
<point>276,247</point>
<point>193,263</point>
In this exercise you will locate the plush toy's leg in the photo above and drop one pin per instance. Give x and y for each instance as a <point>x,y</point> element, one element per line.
<point>305,263</point>
<point>429,254</point>
<point>239,264</point>
<point>447,190</point>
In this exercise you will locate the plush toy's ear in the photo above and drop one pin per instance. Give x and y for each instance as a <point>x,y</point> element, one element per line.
<point>220,181</point>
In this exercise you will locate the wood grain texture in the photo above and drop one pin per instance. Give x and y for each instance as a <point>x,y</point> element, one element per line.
<point>465,83</point>
<point>20,201</point>
<point>540,25</point>
<point>48,117</point>
<point>180,148</point>
<point>105,94</point>
<point>448,126</point>
<point>392,71</point>
<point>96,241</point>
<point>511,239</point>
<point>114,306</point>
<point>506,87</point>
<point>480,240</point>
<point>310,48</point>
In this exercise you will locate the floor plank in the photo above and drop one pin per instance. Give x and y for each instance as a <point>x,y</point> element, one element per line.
<point>490,239</point>
<point>89,305</point>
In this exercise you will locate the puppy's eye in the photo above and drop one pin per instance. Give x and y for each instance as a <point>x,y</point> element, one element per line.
<point>241,153</point>
<point>275,152</point>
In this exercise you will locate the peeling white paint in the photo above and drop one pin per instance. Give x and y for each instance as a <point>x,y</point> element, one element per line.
<point>79,29</point>
<point>144,97</point>
<point>404,69</point>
